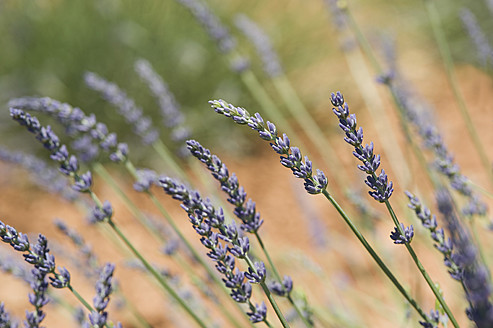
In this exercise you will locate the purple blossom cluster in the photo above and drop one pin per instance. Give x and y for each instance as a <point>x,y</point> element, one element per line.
<point>470,270</point>
<point>39,256</point>
<point>244,210</point>
<point>44,175</point>
<point>99,316</point>
<point>405,238</point>
<point>69,164</point>
<point>5,320</point>
<point>477,36</point>
<point>145,179</point>
<point>172,116</point>
<point>142,125</point>
<point>216,30</point>
<point>261,41</point>
<point>442,244</point>
<point>204,218</point>
<point>381,188</point>
<point>415,112</point>
<point>291,157</point>
<point>225,42</point>
<point>90,135</point>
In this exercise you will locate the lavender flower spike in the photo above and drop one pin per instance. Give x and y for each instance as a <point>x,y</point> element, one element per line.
<point>291,157</point>
<point>478,37</point>
<point>78,125</point>
<point>44,264</point>
<point>472,272</point>
<point>104,288</point>
<point>217,32</point>
<point>68,164</point>
<point>244,210</point>
<point>142,125</point>
<point>381,188</point>
<point>5,318</point>
<point>205,219</point>
<point>398,238</point>
<point>172,116</point>
<point>170,109</point>
<point>261,41</point>
<point>38,299</point>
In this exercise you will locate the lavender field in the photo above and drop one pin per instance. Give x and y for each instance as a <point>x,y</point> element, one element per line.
<point>193,163</point>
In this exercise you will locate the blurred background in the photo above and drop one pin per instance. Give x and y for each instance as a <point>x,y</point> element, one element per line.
<point>46,46</point>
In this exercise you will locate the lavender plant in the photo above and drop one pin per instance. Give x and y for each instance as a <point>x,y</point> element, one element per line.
<point>102,212</point>
<point>246,212</point>
<point>185,275</point>
<point>5,320</point>
<point>472,274</point>
<point>314,184</point>
<point>381,188</point>
<point>204,217</point>
<point>44,267</point>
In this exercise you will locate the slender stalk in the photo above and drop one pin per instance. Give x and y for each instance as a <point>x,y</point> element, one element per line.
<point>421,268</point>
<point>267,292</point>
<point>167,157</point>
<point>156,275</point>
<point>375,257</point>
<point>452,79</point>
<point>278,278</point>
<point>80,298</point>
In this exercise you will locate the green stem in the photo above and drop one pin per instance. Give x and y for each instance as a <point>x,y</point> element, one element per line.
<point>156,275</point>
<point>80,298</point>
<point>452,79</point>
<point>421,268</point>
<point>375,257</point>
<point>278,278</point>
<point>269,295</point>
<point>167,157</point>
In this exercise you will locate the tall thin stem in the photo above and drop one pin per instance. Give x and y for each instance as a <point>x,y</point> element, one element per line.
<point>421,268</point>
<point>80,298</point>
<point>375,257</point>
